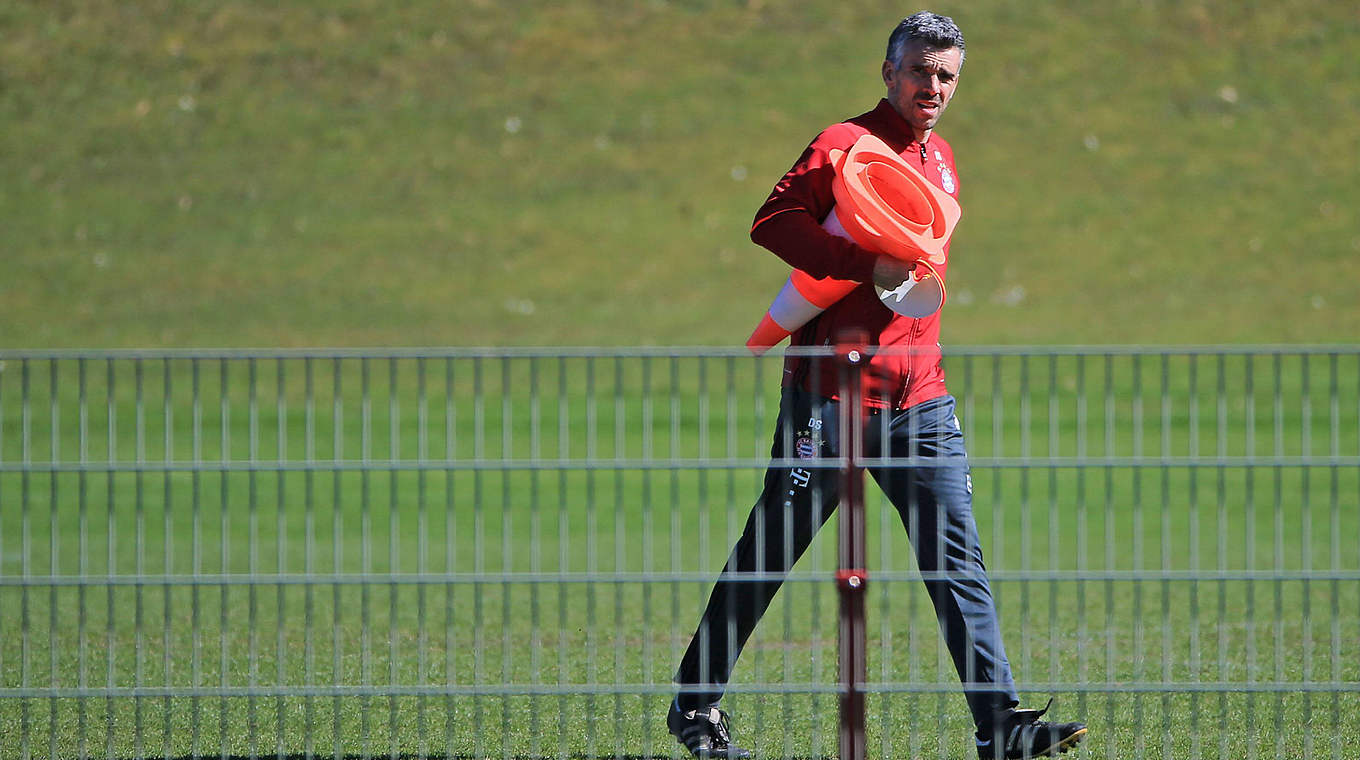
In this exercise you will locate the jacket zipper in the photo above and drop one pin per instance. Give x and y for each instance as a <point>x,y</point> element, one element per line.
<point>915,323</point>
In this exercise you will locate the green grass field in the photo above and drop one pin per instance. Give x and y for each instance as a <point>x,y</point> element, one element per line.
<point>533,173</point>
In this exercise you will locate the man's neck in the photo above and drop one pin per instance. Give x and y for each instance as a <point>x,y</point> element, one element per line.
<point>921,136</point>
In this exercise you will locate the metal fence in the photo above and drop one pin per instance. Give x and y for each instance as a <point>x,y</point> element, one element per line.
<point>464,554</point>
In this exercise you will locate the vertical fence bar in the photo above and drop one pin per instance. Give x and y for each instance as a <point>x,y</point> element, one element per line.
<point>1306,540</point>
<point>1249,539</point>
<point>53,544</point>
<point>507,536</point>
<point>26,559</point>
<point>535,557</point>
<point>1278,542</point>
<point>281,509</point>
<point>673,499</point>
<point>479,549</point>
<point>731,449</point>
<point>648,533</point>
<point>422,554</point>
<point>1167,553</point>
<point>819,507</point>
<point>168,566</point>
<point>280,412</point>
<point>1026,522</point>
<point>393,553</point>
<point>365,558</point>
<point>998,545</point>
<point>337,549</point>
<point>224,524</point>
<point>309,565</point>
<point>620,527</point>
<point>1083,540</point>
<point>1054,452</point>
<point>852,574</point>
<point>1136,422</point>
<point>139,507</point>
<point>450,547</point>
<point>1111,556</point>
<point>564,549</point>
<point>1194,541</point>
<point>1334,553</point>
<point>82,508</point>
<point>253,557</point>
<point>111,564</point>
<point>592,550</point>
<point>1221,523</point>
<point>196,559</point>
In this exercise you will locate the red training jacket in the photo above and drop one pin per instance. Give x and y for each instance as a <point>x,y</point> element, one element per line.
<point>789,224</point>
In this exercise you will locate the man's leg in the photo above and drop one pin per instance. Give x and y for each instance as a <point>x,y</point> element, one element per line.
<point>935,502</point>
<point>794,504</point>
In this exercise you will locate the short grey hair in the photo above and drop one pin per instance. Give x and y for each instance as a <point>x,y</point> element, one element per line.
<point>935,31</point>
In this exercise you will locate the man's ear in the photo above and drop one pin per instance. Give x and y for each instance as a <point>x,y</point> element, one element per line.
<point>888,69</point>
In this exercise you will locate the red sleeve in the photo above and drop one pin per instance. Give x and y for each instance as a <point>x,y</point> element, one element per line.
<point>789,223</point>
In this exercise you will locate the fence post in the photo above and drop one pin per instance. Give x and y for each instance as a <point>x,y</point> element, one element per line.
<point>851,575</point>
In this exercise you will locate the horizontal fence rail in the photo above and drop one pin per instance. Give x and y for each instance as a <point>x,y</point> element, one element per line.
<point>504,552</point>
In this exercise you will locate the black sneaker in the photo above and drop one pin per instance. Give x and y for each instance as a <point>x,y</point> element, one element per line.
<point>706,733</point>
<point>1020,734</point>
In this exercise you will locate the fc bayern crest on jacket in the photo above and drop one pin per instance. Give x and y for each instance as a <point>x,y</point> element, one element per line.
<point>946,179</point>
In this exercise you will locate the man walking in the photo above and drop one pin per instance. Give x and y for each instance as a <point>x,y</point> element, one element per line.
<point>911,415</point>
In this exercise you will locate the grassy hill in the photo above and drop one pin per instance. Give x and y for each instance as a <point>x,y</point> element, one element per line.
<point>361,173</point>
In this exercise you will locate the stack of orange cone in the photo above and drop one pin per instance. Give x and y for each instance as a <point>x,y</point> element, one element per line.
<point>885,205</point>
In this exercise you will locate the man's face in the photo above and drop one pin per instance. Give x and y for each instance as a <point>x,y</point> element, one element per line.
<point>921,86</point>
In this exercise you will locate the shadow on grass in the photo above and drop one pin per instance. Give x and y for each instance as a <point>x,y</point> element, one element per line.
<point>434,756</point>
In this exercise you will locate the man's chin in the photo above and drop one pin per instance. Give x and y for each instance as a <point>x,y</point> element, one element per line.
<point>923,125</point>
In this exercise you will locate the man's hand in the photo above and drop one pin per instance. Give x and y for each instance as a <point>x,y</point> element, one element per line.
<point>890,273</point>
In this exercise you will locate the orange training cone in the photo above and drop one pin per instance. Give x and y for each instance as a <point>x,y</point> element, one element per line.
<point>887,206</point>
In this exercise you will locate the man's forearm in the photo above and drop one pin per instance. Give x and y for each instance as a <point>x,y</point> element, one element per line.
<point>799,240</point>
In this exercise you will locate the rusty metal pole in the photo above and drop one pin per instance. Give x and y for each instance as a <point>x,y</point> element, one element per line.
<point>851,575</point>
